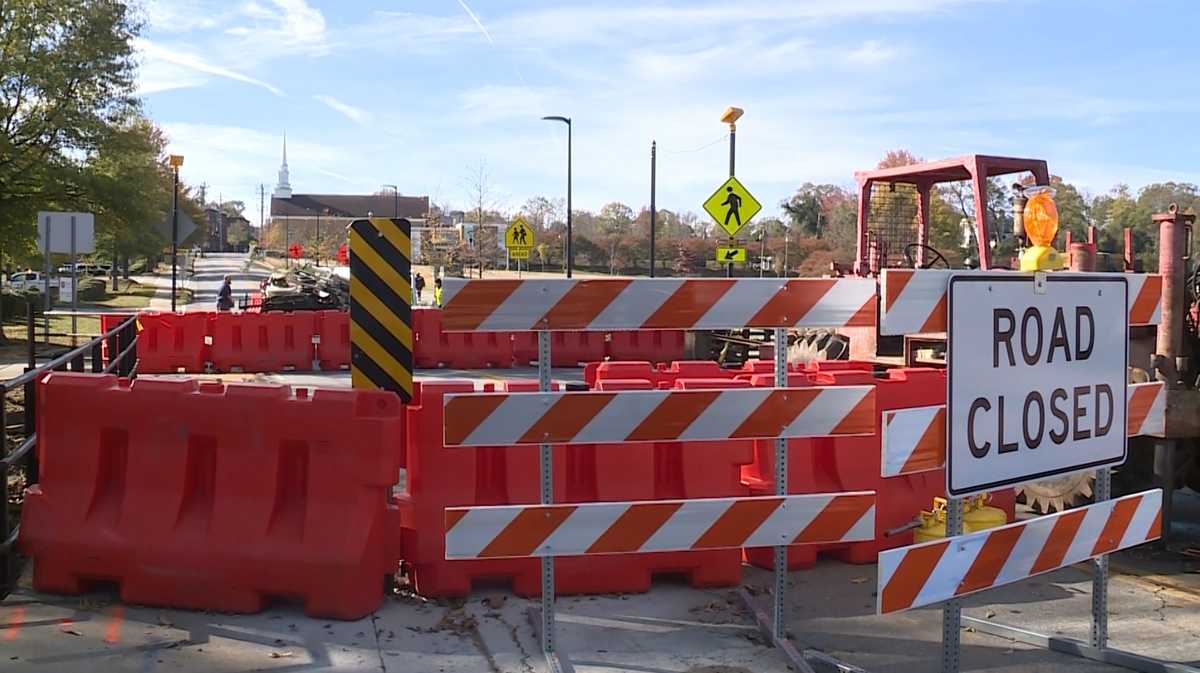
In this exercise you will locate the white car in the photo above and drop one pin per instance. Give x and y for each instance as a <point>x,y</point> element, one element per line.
<point>26,280</point>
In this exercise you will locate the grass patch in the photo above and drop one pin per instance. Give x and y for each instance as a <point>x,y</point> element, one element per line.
<point>130,296</point>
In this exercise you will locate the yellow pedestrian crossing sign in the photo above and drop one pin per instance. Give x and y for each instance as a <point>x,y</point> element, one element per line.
<point>732,206</point>
<point>518,239</point>
<point>730,254</point>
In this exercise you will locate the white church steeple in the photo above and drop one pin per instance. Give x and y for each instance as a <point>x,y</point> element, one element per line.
<point>283,189</point>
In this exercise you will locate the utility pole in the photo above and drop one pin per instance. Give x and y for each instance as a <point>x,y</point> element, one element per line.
<point>262,213</point>
<point>653,211</point>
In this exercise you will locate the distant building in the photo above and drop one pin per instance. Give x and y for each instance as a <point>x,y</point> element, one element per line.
<point>226,232</point>
<point>324,217</point>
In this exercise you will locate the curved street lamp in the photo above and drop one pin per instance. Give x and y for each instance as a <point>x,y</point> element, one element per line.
<point>570,246</point>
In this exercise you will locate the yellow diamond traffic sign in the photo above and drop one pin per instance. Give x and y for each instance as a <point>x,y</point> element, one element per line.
<point>518,239</point>
<point>729,254</point>
<point>732,206</point>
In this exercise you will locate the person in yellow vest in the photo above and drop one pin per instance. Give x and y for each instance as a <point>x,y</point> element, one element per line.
<point>437,292</point>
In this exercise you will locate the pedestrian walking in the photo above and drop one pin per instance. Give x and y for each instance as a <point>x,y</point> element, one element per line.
<point>419,285</point>
<point>225,295</point>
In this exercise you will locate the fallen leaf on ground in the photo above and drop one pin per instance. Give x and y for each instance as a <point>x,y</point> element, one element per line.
<point>71,632</point>
<point>858,580</point>
<point>281,655</point>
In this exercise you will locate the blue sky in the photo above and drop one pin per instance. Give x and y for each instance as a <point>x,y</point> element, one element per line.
<point>418,93</point>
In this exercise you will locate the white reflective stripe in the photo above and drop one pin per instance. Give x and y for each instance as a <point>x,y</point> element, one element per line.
<point>522,309</point>
<point>1094,519</point>
<point>510,420</point>
<point>785,523</point>
<point>1136,282</point>
<point>1139,526</point>
<point>477,529</point>
<point>950,570</point>
<point>687,524</point>
<point>581,529</point>
<point>902,431</point>
<point>863,529</point>
<point>620,417</point>
<point>1155,422</point>
<point>1025,553</point>
<point>635,304</point>
<point>916,301</point>
<point>845,299</point>
<point>726,413</point>
<point>740,303</point>
<point>826,411</point>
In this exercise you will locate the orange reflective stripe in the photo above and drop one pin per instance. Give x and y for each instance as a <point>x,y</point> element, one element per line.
<point>866,316</point>
<point>631,530</point>
<point>453,516</point>
<point>467,309</point>
<point>527,530</point>
<point>936,321</point>
<point>582,303</point>
<point>1155,526</point>
<point>566,418</point>
<point>1058,542</point>
<point>987,564</point>
<point>687,304</point>
<point>861,419</point>
<point>1138,407</point>
<point>836,520</point>
<point>1143,306</point>
<point>737,523</point>
<point>896,281</point>
<point>775,413</point>
<point>792,302</point>
<point>906,583</point>
<point>673,415</point>
<point>464,414</point>
<point>1116,525</point>
<point>930,452</point>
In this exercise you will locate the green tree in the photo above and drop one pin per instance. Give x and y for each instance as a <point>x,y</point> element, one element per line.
<point>66,79</point>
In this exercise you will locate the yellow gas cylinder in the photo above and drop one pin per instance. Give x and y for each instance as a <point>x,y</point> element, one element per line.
<point>933,523</point>
<point>977,516</point>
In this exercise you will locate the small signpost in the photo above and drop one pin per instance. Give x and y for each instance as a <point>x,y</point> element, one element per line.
<point>727,254</point>
<point>519,241</point>
<point>70,233</point>
<point>1037,376</point>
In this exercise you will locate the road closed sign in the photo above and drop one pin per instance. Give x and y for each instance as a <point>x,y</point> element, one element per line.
<point>1037,376</point>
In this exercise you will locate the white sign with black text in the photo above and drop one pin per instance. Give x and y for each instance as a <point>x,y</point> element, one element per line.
<point>1037,376</point>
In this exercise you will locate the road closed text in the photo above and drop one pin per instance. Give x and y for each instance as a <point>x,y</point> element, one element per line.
<point>1052,416</point>
<point>1046,393</point>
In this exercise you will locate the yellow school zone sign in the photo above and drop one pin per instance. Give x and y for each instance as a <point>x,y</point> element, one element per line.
<point>732,206</point>
<point>518,239</point>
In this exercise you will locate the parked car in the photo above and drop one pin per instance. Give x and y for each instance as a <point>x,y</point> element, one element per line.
<point>25,280</point>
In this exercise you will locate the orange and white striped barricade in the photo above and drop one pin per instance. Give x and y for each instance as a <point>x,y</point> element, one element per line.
<point>983,311</point>
<point>914,440</point>
<point>542,418</point>
<point>932,572</point>
<point>914,300</point>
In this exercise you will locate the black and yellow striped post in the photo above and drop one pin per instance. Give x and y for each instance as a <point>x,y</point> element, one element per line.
<point>380,305</point>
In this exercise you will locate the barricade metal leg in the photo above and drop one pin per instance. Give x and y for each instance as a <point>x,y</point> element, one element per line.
<point>952,611</point>
<point>1103,491</point>
<point>775,626</point>
<point>544,621</point>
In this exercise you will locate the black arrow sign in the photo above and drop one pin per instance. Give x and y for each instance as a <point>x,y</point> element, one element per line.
<point>731,254</point>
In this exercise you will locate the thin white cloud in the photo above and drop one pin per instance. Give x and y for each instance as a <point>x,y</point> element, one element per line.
<point>153,54</point>
<point>478,23</point>
<point>356,115</point>
<point>285,27</point>
<point>872,53</point>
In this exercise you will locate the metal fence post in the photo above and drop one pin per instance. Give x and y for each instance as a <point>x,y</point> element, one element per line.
<point>547,482</point>
<point>781,488</point>
<point>952,612</point>
<point>1103,491</point>
<point>8,557</point>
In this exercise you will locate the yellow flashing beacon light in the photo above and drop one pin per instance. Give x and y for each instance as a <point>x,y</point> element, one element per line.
<point>1041,226</point>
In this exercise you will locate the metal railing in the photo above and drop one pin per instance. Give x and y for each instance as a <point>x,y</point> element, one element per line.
<point>122,348</point>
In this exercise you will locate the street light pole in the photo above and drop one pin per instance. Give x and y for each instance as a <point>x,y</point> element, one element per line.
<point>570,244</point>
<point>653,210</point>
<point>395,199</point>
<point>175,161</point>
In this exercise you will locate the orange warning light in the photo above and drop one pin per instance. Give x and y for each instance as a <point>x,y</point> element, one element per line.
<point>1041,216</point>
